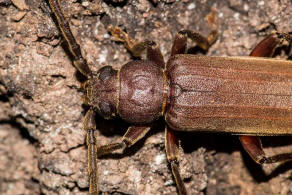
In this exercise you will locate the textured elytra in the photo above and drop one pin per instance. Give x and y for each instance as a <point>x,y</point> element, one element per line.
<point>35,66</point>
<point>229,94</point>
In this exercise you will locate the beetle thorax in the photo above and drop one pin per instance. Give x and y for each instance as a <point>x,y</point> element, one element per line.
<point>141,92</point>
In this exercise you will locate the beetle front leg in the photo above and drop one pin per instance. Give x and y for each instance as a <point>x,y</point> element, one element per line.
<point>132,136</point>
<point>89,126</point>
<point>136,48</point>
<point>172,152</point>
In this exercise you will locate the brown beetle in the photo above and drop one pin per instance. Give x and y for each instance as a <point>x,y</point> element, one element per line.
<point>246,96</point>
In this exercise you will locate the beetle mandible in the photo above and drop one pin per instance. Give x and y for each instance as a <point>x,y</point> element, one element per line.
<point>245,96</point>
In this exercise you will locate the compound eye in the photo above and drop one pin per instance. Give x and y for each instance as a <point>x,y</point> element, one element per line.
<point>105,73</point>
<point>106,109</point>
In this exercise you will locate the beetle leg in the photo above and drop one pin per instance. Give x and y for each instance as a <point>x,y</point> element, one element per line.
<point>267,46</point>
<point>180,40</point>
<point>202,41</point>
<point>253,147</point>
<point>136,48</point>
<point>79,61</point>
<point>133,134</point>
<point>90,126</point>
<point>172,152</point>
<point>179,44</point>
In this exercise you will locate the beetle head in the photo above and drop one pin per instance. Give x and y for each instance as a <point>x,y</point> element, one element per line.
<point>102,92</point>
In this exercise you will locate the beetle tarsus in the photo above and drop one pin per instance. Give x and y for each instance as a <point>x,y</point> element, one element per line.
<point>277,158</point>
<point>109,148</point>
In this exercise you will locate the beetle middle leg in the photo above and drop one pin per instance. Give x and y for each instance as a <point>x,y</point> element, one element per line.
<point>136,48</point>
<point>203,42</point>
<point>180,41</point>
<point>252,144</point>
<point>179,47</point>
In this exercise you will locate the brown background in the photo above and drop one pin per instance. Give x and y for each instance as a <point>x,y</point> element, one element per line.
<point>42,146</point>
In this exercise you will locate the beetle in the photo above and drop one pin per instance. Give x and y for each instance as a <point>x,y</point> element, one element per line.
<point>245,96</point>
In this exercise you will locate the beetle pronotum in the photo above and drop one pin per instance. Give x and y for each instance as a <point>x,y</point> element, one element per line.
<point>246,96</point>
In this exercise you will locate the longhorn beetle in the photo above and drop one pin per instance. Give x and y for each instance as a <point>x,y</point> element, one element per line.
<point>245,96</point>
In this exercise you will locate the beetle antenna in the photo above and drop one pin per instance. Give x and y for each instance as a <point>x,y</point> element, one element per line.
<point>79,61</point>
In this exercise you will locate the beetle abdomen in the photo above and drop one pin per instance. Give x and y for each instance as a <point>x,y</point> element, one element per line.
<point>237,95</point>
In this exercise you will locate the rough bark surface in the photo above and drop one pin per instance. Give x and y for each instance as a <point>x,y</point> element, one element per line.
<point>42,144</point>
